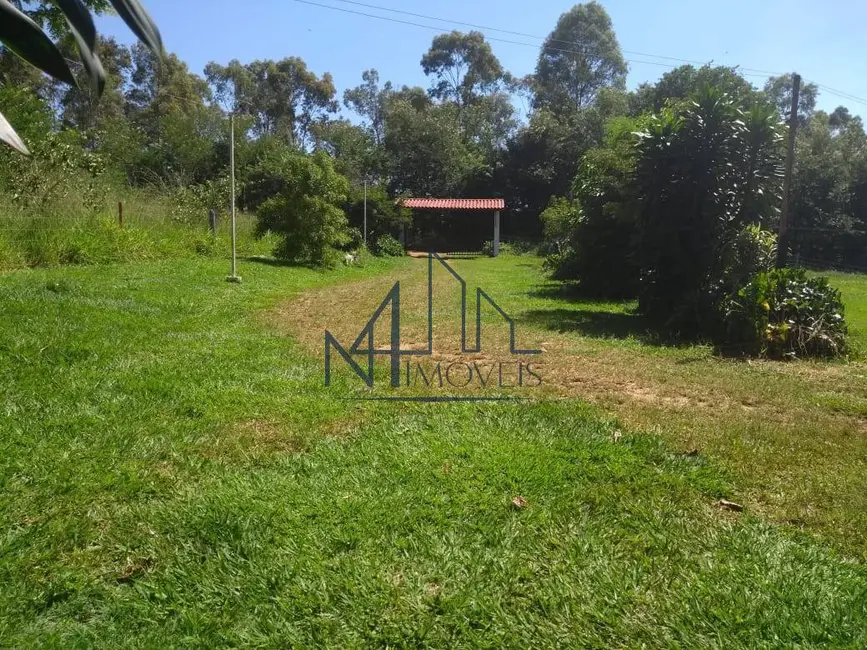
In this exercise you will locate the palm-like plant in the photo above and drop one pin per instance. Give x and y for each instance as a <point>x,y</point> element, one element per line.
<point>24,37</point>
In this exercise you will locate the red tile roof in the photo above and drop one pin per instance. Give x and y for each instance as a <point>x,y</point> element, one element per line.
<point>455,204</point>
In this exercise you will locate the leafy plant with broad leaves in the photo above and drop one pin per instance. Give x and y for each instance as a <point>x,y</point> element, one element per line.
<point>784,314</point>
<point>23,36</point>
<point>705,170</point>
<point>387,246</point>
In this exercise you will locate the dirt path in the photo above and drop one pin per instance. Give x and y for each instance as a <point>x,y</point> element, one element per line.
<point>794,435</point>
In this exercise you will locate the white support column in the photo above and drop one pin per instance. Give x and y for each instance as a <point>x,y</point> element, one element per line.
<point>496,233</point>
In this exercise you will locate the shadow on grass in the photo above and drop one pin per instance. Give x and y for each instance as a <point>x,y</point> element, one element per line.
<point>275,261</point>
<point>587,322</point>
<point>576,310</point>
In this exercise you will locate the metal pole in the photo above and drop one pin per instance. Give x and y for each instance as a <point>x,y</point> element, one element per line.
<point>783,238</point>
<point>365,212</point>
<point>234,276</point>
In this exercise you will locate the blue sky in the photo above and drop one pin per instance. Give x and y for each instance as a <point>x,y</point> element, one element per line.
<point>824,42</point>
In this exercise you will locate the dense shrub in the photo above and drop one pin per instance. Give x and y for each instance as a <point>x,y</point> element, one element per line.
<point>387,246</point>
<point>558,223</point>
<point>506,248</point>
<point>306,208</point>
<point>705,170</point>
<point>785,314</point>
<point>192,203</point>
<point>594,243</point>
<point>383,213</point>
<point>749,251</point>
<point>604,240</point>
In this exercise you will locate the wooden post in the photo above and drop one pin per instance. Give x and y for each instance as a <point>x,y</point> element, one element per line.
<point>783,237</point>
<point>120,214</point>
<point>212,221</point>
<point>496,233</point>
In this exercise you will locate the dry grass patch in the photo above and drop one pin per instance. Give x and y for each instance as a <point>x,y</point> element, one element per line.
<point>792,433</point>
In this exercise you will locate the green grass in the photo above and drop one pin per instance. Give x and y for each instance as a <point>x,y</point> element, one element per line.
<point>792,434</point>
<point>70,235</point>
<point>173,473</point>
<point>854,289</point>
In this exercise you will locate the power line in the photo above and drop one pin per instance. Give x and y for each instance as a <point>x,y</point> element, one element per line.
<point>745,71</point>
<point>841,94</point>
<point>513,33</point>
<point>440,29</point>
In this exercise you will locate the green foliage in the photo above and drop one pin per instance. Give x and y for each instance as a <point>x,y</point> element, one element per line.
<point>384,215</point>
<point>191,204</point>
<point>704,171</point>
<point>464,66</point>
<point>602,245</point>
<point>57,169</point>
<point>305,209</point>
<point>783,314</point>
<point>284,98</point>
<point>779,93</point>
<point>683,82</point>
<point>559,221</point>
<point>24,36</point>
<point>387,246</point>
<point>829,192</point>
<point>751,250</point>
<point>569,77</point>
<point>427,155</point>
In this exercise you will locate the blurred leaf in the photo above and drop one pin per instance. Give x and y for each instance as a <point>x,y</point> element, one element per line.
<point>8,135</point>
<point>24,37</point>
<point>82,28</point>
<point>139,21</point>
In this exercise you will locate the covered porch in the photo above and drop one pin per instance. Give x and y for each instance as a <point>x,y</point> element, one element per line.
<point>494,206</point>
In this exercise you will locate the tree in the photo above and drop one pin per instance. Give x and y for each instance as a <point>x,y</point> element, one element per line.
<point>84,110</point>
<point>779,92</point>
<point>464,67</point>
<point>578,58</point>
<point>685,81</point>
<point>601,251</point>
<point>163,87</point>
<point>426,153</point>
<point>355,153</point>
<point>305,208</point>
<point>543,157</point>
<point>371,103</point>
<point>284,97</point>
<point>23,36</point>
<point>829,195</point>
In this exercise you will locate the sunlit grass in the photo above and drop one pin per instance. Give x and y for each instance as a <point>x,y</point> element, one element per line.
<point>173,472</point>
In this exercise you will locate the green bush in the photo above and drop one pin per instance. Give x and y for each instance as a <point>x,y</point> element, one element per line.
<point>784,314</point>
<point>505,249</point>
<point>705,170</point>
<point>750,251</point>
<point>601,251</point>
<point>388,246</point>
<point>306,207</point>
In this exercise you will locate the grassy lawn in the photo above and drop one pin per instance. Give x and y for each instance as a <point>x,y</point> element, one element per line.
<point>174,473</point>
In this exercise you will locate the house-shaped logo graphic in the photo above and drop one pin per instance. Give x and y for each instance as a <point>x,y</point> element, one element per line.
<point>364,342</point>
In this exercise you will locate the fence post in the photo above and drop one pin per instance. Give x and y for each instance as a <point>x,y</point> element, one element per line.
<point>120,214</point>
<point>212,221</point>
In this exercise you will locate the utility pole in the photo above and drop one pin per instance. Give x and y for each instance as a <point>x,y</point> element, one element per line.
<point>365,210</point>
<point>234,276</point>
<point>783,237</point>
